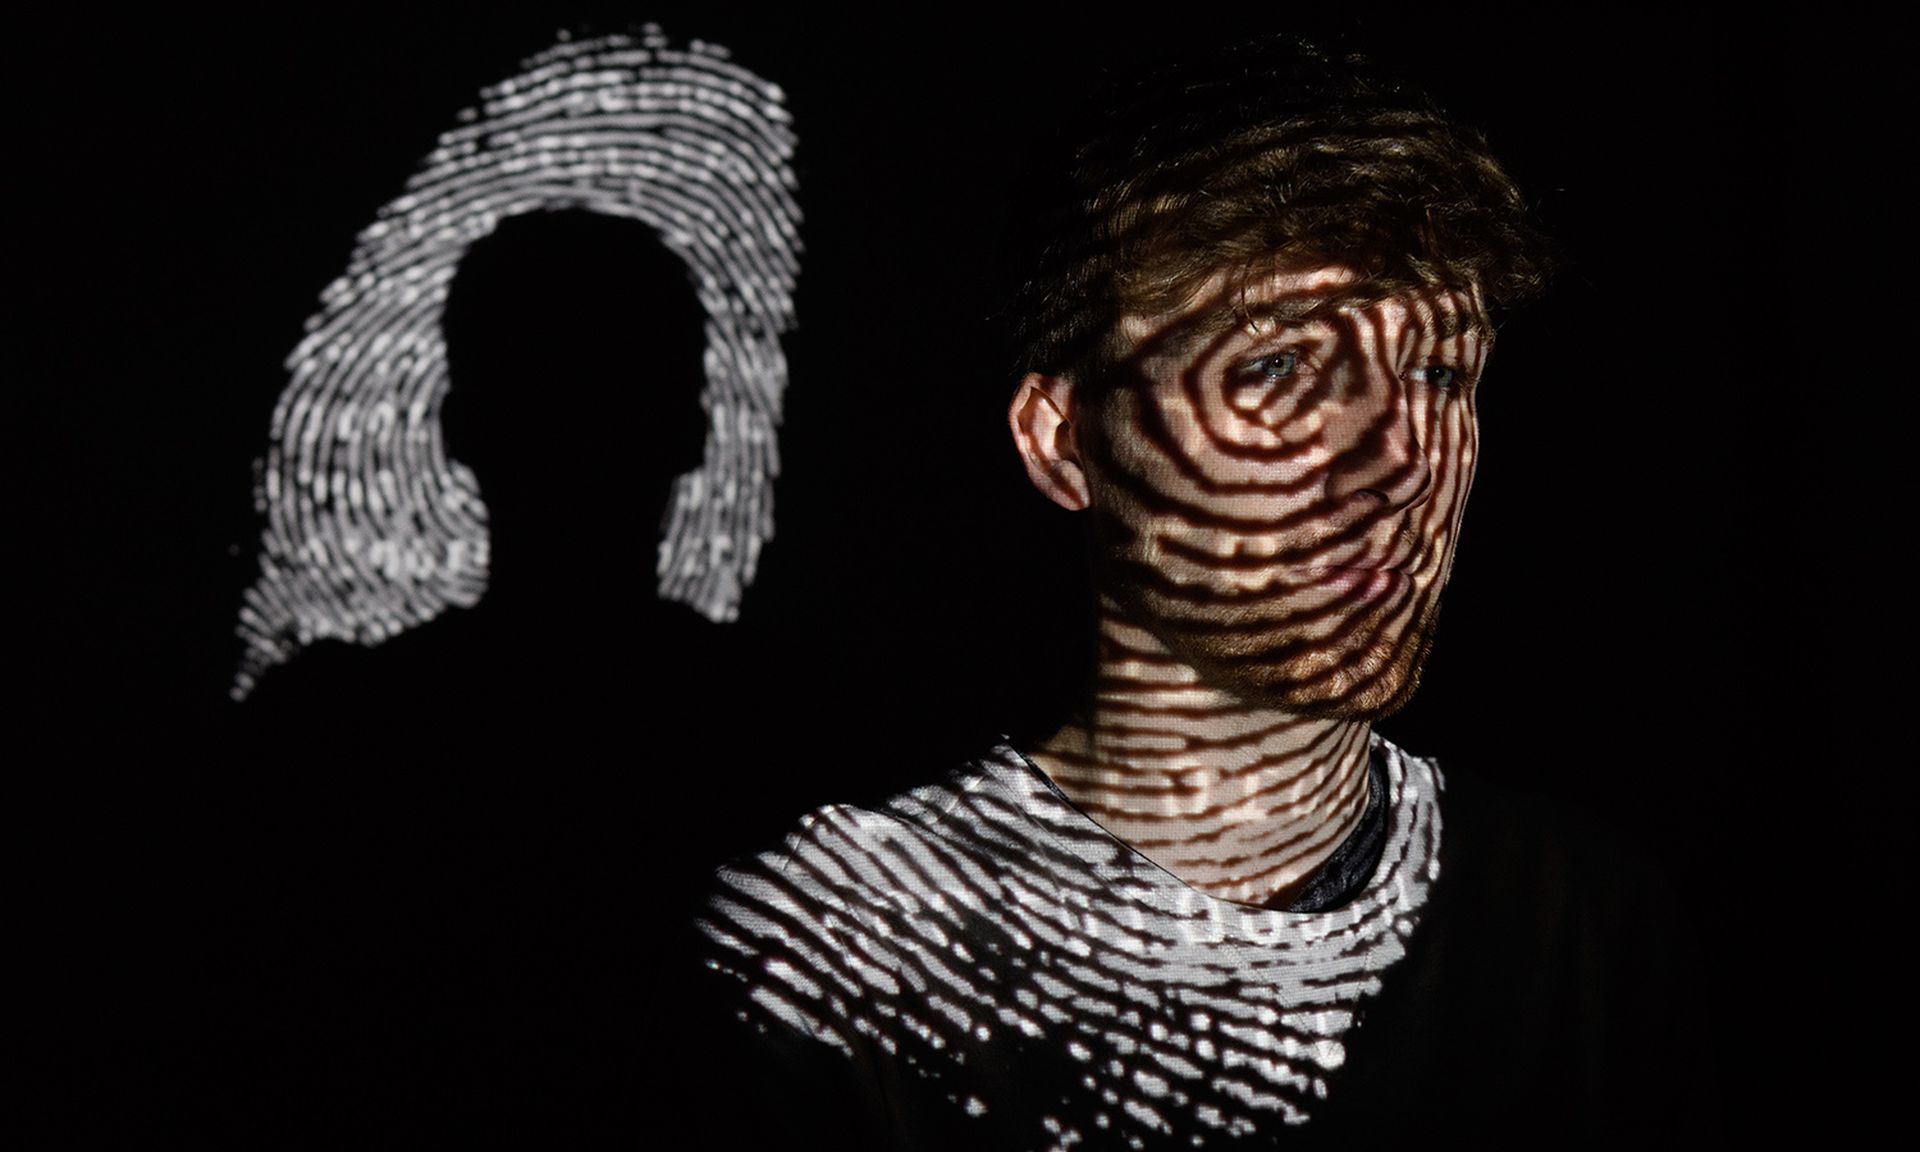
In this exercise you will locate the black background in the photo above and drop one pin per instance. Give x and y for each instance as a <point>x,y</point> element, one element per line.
<point>392,898</point>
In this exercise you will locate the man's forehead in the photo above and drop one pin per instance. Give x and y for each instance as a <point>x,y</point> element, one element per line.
<point>1292,296</point>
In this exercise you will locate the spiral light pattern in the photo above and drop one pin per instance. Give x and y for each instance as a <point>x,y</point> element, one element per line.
<point>371,528</point>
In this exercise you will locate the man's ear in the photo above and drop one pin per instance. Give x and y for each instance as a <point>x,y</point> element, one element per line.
<point>1042,419</point>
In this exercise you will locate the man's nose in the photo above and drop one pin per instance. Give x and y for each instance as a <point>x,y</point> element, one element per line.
<point>1381,452</point>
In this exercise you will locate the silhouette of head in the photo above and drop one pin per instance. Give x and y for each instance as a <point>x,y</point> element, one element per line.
<point>575,345</point>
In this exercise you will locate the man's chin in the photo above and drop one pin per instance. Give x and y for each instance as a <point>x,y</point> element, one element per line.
<point>1367,685</point>
<point>1374,700</point>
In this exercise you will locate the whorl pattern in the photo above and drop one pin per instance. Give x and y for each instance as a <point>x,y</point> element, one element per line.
<point>371,528</point>
<point>986,922</point>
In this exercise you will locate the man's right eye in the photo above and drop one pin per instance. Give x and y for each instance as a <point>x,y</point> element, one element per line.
<point>1270,369</point>
<point>1255,384</point>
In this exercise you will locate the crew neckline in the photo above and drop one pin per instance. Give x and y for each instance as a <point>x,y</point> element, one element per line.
<point>1396,887</point>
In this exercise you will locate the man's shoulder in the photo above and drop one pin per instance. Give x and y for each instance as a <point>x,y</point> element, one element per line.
<point>860,909</point>
<point>839,850</point>
<point>868,870</point>
<point>1547,983</point>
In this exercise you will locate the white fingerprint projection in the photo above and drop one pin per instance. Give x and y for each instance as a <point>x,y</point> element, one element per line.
<point>985,927</point>
<point>371,528</point>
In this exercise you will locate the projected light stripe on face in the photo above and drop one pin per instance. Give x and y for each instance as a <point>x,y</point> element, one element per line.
<point>371,528</point>
<point>984,925</point>
<point>1276,488</point>
<point>1278,503</point>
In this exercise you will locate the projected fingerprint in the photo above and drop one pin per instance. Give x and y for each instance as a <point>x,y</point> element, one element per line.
<point>986,924</point>
<point>371,528</point>
<point>1276,501</point>
<point>1283,498</point>
<point>1297,785</point>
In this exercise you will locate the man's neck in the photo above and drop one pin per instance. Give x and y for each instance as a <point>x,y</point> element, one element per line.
<point>1240,801</point>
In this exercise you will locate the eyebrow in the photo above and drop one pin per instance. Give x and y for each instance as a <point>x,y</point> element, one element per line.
<point>1294,311</point>
<point>1219,319</point>
<point>1451,324</point>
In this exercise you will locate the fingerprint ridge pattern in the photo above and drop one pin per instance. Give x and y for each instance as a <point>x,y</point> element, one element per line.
<point>985,922</point>
<point>371,528</point>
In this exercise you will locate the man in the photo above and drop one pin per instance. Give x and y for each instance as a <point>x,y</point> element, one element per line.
<point>1214,907</point>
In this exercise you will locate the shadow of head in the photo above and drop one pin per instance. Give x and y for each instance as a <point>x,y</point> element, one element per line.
<point>574,345</point>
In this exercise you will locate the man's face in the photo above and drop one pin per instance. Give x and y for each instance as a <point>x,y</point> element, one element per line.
<point>1277,496</point>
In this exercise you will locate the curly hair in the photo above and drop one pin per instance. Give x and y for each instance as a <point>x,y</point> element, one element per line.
<point>1268,154</point>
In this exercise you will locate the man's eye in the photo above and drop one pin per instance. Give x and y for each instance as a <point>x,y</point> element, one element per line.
<point>1271,369</point>
<point>1441,376</point>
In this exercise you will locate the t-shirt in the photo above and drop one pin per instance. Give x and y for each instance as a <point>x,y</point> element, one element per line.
<point>978,964</point>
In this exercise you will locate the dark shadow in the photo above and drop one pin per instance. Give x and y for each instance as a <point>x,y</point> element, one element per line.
<point>574,352</point>
<point>468,852</point>
<point>575,344</point>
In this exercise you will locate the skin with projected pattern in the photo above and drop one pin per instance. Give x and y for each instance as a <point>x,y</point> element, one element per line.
<point>1213,906</point>
<point>1268,562</point>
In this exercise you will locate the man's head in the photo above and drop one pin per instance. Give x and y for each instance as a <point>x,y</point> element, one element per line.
<point>1251,352</point>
